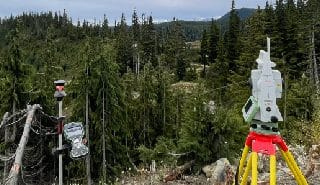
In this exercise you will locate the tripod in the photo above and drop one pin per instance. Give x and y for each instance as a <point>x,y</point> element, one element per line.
<point>266,144</point>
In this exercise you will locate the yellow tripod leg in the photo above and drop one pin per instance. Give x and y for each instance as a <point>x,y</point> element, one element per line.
<point>254,180</point>
<point>246,172</point>
<point>290,165</point>
<point>296,168</point>
<point>273,170</point>
<point>243,159</point>
<point>284,154</point>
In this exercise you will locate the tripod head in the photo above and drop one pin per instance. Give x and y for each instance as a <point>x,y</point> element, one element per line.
<point>266,88</point>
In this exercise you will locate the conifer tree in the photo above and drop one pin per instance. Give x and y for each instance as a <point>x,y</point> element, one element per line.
<point>148,41</point>
<point>253,40</point>
<point>213,41</point>
<point>124,46</point>
<point>204,51</point>
<point>233,42</point>
<point>175,49</point>
<point>105,28</point>
<point>295,58</point>
<point>14,78</point>
<point>49,71</point>
<point>219,73</point>
<point>15,70</point>
<point>135,27</point>
<point>269,19</point>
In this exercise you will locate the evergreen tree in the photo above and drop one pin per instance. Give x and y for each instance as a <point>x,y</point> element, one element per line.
<point>213,41</point>
<point>14,82</point>
<point>15,71</point>
<point>204,54</point>
<point>49,71</point>
<point>218,73</point>
<point>269,19</point>
<point>123,46</point>
<point>175,49</point>
<point>135,27</point>
<point>254,39</point>
<point>233,42</point>
<point>148,41</point>
<point>205,130</point>
<point>294,56</point>
<point>105,27</point>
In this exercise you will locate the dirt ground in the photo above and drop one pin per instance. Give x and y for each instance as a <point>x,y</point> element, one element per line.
<point>308,162</point>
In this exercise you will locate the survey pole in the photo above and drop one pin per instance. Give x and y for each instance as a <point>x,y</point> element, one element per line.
<point>60,146</point>
<point>59,94</point>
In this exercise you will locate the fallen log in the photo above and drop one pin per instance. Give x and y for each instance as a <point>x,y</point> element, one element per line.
<point>16,167</point>
<point>178,172</point>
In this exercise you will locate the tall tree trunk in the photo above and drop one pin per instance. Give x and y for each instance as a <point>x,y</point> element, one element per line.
<point>285,99</point>
<point>164,106</point>
<point>103,137</point>
<point>88,169</point>
<point>144,109</point>
<point>315,66</point>
<point>15,169</point>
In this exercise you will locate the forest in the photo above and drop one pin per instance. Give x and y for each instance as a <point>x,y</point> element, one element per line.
<point>151,92</point>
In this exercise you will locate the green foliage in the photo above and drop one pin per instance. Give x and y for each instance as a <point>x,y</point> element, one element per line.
<point>232,38</point>
<point>163,152</point>
<point>191,74</point>
<point>315,127</point>
<point>123,45</point>
<point>14,70</point>
<point>218,74</point>
<point>146,154</point>
<point>206,132</point>
<point>213,42</point>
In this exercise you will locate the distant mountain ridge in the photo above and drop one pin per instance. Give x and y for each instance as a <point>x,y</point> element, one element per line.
<point>193,29</point>
<point>243,13</point>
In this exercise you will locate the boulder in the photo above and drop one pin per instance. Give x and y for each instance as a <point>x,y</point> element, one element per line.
<point>219,172</point>
<point>313,166</point>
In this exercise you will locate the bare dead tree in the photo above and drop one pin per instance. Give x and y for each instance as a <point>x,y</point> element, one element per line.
<point>16,167</point>
<point>314,60</point>
<point>6,140</point>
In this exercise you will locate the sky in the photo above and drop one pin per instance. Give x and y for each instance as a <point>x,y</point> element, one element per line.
<point>161,10</point>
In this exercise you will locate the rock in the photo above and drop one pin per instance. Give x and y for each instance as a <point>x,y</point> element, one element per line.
<point>263,163</point>
<point>313,166</point>
<point>300,155</point>
<point>208,170</point>
<point>219,172</point>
